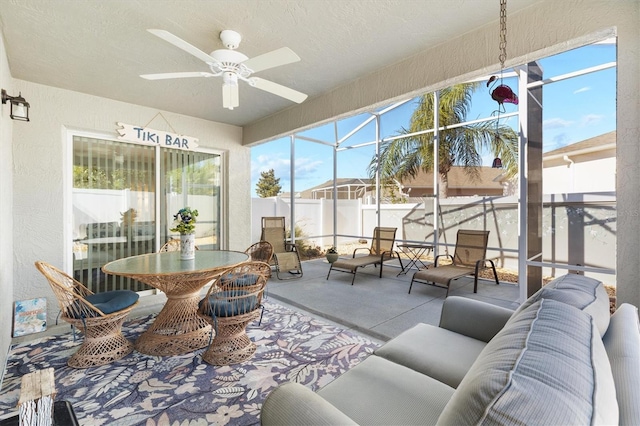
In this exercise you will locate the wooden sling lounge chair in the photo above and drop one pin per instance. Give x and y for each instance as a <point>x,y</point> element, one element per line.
<point>380,251</point>
<point>285,255</point>
<point>469,258</point>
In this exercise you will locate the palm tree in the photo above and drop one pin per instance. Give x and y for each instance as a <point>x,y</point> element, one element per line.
<point>461,146</point>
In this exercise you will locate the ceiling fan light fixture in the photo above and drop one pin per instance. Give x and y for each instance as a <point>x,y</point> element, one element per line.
<point>230,78</point>
<point>230,92</point>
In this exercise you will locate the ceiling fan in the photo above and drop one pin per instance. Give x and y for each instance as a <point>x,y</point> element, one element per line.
<point>232,66</point>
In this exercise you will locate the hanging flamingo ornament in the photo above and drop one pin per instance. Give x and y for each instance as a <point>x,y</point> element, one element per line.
<point>502,93</point>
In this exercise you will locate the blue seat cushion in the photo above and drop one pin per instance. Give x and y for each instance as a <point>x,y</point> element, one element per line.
<point>221,306</point>
<point>246,279</point>
<point>113,301</point>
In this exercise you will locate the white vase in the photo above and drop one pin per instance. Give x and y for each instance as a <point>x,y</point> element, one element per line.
<point>187,246</point>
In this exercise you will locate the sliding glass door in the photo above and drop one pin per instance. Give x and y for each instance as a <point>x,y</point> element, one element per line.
<point>124,197</point>
<point>192,179</point>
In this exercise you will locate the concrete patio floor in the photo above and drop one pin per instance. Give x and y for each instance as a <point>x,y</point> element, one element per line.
<point>379,307</point>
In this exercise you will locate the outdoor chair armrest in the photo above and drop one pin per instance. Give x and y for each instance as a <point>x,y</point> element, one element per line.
<point>361,248</point>
<point>294,404</point>
<point>291,246</point>
<point>473,318</point>
<point>435,261</point>
<point>481,264</point>
<point>389,253</point>
<point>82,290</point>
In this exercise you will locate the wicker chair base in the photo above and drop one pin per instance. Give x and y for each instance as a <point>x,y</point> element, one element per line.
<point>103,340</point>
<point>151,343</point>
<point>178,329</point>
<point>231,344</point>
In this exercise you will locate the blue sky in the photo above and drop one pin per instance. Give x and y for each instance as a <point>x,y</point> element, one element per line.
<point>574,110</point>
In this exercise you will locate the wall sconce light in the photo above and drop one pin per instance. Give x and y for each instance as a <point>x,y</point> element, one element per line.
<point>19,106</point>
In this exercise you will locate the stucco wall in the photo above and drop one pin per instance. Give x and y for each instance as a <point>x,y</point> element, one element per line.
<point>544,29</point>
<point>6,219</point>
<point>41,203</point>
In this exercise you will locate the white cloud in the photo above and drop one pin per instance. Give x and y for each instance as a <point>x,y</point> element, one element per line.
<point>281,166</point>
<point>266,162</point>
<point>560,140</point>
<point>556,123</point>
<point>306,166</point>
<point>590,119</point>
<point>582,89</point>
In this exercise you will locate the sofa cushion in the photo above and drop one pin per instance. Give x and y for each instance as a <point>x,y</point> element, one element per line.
<point>581,292</point>
<point>547,365</point>
<point>439,353</point>
<point>461,314</point>
<point>294,404</point>
<point>622,342</point>
<point>380,392</point>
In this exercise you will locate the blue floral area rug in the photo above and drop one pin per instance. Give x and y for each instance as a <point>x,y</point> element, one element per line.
<point>183,390</point>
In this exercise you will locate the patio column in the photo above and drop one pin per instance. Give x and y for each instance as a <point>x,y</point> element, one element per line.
<point>292,187</point>
<point>530,205</point>
<point>436,172</point>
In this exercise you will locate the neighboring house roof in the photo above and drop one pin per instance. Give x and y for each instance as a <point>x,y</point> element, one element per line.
<point>488,178</point>
<point>604,141</point>
<point>342,182</point>
<point>457,177</point>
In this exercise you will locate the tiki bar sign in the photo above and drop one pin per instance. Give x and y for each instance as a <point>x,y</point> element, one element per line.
<point>148,136</point>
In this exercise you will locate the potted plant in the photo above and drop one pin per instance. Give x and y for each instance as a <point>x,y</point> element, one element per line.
<point>185,224</point>
<point>331,254</point>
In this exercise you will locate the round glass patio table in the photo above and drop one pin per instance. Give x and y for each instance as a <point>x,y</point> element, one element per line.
<point>178,328</point>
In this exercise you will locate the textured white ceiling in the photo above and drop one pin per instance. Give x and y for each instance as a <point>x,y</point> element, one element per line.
<point>100,47</point>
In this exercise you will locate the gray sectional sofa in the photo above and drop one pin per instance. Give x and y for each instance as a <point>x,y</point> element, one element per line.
<point>560,358</point>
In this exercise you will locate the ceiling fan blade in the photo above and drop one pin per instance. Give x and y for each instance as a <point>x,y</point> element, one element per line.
<point>167,75</point>
<point>272,59</point>
<point>178,42</point>
<point>278,89</point>
<point>230,98</point>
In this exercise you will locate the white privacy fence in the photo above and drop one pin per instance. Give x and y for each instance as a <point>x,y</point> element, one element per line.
<point>577,229</point>
<point>107,205</point>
